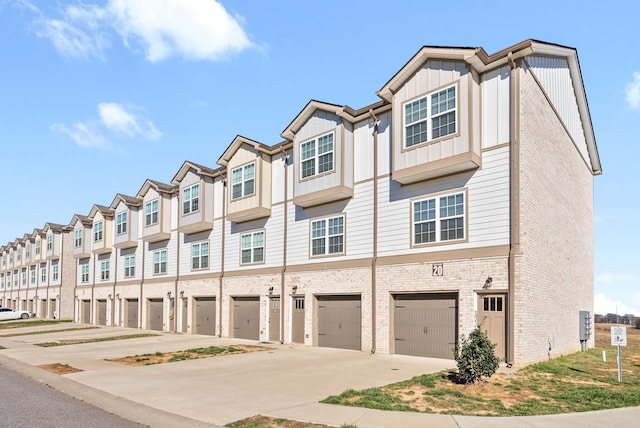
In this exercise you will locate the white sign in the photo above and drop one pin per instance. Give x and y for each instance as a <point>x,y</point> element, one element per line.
<point>618,336</point>
<point>437,269</point>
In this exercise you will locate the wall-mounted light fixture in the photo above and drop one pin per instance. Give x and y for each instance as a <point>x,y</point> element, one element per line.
<point>169,295</point>
<point>182,294</point>
<point>270,290</point>
<point>109,297</point>
<point>487,283</point>
<point>294,288</point>
<point>118,296</point>
<point>57,296</point>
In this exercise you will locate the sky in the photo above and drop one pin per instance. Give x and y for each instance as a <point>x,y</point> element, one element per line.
<point>98,96</point>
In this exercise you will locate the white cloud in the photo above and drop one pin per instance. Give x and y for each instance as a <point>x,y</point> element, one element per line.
<point>189,29</point>
<point>632,91</point>
<point>610,277</point>
<point>604,305</point>
<point>84,134</point>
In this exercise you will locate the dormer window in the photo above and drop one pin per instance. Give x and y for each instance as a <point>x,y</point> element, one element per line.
<point>243,181</point>
<point>77,238</point>
<point>316,156</point>
<point>49,242</point>
<point>97,231</point>
<point>191,199</point>
<point>121,223</point>
<point>430,117</point>
<point>151,213</point>
<point>27,251</point>
<point>37,248</point>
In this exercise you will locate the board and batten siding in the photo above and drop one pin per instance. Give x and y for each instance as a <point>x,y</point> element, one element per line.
<point>553,74</point>
<point>277,177</point>
<point>364,150</point>
<point>205,208</point>
<point>487,202</point>
<point>495,107</point>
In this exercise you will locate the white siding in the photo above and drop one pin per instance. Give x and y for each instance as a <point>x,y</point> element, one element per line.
<point>495,107</point>
<point>553,74</point>
<point>277,178</point>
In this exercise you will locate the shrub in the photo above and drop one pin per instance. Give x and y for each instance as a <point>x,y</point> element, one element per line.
<point>475,357</point>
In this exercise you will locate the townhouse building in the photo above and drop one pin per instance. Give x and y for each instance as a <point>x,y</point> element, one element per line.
<point>463,197</point>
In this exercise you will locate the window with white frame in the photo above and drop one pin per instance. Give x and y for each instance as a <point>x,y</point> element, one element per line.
<point>97,231</point>
<point>104,270</point>
<point>32,274</point>
<point>43,273</point>
<point>24,277</point>
<point>243,181</point>
<point>15,279</point>
<point>37,247</point>
<point>316,156</point>
<point>430,117</point>
<point>27,251</point>
<point>439,219</point>
<point>54,271</point>
<point>160,262</point>
<point>77,238</point>
<point>129,266</point>
<point>121,223</point>
<point>85,274</point>
<point>252,247</point>
<point>327,236</point>
<point>49,242</point>
<point>151,213</point>
<point>18,256</point>
<point>191,199</point>
<point>200,255</point>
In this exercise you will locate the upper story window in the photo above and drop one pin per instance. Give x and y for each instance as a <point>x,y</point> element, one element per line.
<point>252,247</point>
<point>316,156</point>
<point>430,117</point>
<point>243,181</point>
<point>97,231</point>
<point>121,223</point>
<point>77,238</point>
<point>191,199</point>
<point>32,274</point>
<point>18,254</point>
<point>43,273</point>
<point>38,248</point>
<point>104,270</point>
<point>160,262</point>
<point>439,219</point>
<point>24,276</point>
<point>129,266</point>
<point>200,255</point>
<point>327,236</point>
<point>85,273</point>
<point>49,242</point>
<point>151,213</point>
<point>54,272</point>
<point>27,251</point>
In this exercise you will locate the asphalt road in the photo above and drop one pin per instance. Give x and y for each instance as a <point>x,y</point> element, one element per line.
<point>25,403</point>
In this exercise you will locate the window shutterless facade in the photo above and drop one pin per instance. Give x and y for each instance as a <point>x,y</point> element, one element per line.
<point>243,181</point>
<point>49,242</point>
<point>191,199</point>
<point>104,270</point>
<point>32,274</point>
<point>97,231</point>
<point>129,266</point>
<point>27,251</point>
<point>54,272</point>
<point>316,156</point>
<point>77,238</point>
<point>151,213</point>
<point>24,277</point>
<point>160,262</point>
<point>252,247</point>
<point>121,223</point>
<point>85,274</point>
<point>38,248</point>
<point>43,273</point>
<point>439,219</point>
<point>430,117</point>
<point>327,236</point>
<point>200,255</point>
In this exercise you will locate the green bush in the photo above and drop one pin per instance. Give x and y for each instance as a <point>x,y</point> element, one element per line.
<point>475,357</point>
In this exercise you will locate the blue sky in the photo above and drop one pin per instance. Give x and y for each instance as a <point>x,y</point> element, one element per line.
<point>97,96</point>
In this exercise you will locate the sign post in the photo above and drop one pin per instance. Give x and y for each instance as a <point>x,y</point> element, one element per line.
<point>619,338</point>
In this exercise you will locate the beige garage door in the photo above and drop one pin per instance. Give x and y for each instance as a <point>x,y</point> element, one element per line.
<point>425,325</point>
<point>206,315</point>
<point>155,314</point>
<point>340,322</point>
<point>246,317</point>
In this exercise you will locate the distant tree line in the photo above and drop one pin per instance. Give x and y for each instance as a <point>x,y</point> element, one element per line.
<point>628,319</point>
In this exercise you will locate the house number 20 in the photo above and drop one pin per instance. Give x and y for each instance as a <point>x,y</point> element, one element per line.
<point>437,269</point>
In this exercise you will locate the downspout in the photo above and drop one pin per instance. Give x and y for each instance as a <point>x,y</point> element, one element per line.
<point>113,293</point>
<point>175,292</point>
<point>141,284</point>
<point>374,259</point>
<point>514,192</point>
<point>284,244</point>
<point>224,221</point>
<point>93,285</point>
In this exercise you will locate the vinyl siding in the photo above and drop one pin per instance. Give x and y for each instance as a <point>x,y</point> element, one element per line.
<point>495,107</point>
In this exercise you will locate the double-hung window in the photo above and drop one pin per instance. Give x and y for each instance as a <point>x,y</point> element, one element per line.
<point>104,270</point>
<point>252,247</point>
<point>327,236</point>
<point>54,271</point>
<point>151,213</point>
<point>77,238</point>
<point>32,274</point>
<point>191,199</point>
<point>316,156</point>
<point>243,181</point>
<point>43,273</point>
<point>97,231</point>
<point>121,223</point>
<point>37,248</point>
<point>27,251</point>
<point>129,266</point>
<point>160,262</point>
<point>24,277</point>
<point>85,273</point>
<point>200,255</point>
<point>49,242</point>
<point>430,117</point>
<point>439,219</point>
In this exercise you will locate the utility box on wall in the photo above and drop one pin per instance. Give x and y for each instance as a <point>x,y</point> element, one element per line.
<point>585,325</point>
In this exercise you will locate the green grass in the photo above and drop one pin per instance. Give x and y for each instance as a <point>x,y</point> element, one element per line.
<point>29,323</point>
<point>99,339</point>
<point>47,331</point>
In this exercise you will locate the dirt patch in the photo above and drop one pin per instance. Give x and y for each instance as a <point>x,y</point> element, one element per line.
<point>266,422</point>
<point>190,354</point>
<point>59,368</point>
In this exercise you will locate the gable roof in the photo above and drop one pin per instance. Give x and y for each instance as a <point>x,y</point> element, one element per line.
<point>130,201</point>
<point>54,227</point>
<point>85,220</point>
<point>158,186</point>
<point>200,170</point>
<point>106,212</point>
<point>237,142</point>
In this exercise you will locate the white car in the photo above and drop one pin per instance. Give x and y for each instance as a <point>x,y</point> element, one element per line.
<point>10,314</point>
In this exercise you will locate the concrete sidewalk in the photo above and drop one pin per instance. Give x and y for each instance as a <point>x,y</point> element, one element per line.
<point>286,381</point>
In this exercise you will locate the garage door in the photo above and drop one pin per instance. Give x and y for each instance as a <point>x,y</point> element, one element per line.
<point>132,313</point>
<point>246,317</point>
<point>155,314</point>
<point>340,322</point>
<point>206,315</point>
<point>425,325</point>
<point>102,312</point>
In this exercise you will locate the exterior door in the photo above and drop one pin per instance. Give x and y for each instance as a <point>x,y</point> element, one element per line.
<point>185,302</point>
<point>425,325</point>
<point>86,311</point>
<point>102,312</point>
<point>132,313</point>
<point>297,320</point>
<point>491,319</point>
<point>155,314</point>
<point>274,318</point>
<point>52,311</point>
<point>340,322</point>
<point>246,317</point>
<point>206,316</point>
